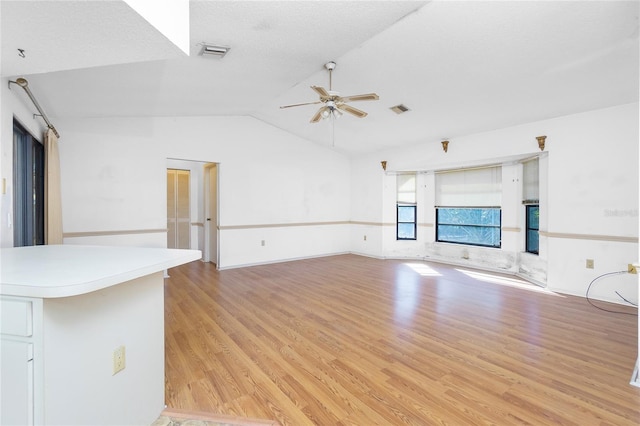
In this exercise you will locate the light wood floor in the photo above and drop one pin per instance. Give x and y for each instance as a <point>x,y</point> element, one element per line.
<point>350,340</point>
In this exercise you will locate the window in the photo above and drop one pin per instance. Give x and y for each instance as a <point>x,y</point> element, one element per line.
<point>406,206</point>
<point>406,229</point>
<point>473,226</point>
<point>533,215</point>
<point>530,199</point>
<point>28,183</point>
<point>468,206</point>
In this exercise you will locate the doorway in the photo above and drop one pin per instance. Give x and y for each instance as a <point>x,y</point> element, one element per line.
<point>211,243</point>
<point>203,206</point>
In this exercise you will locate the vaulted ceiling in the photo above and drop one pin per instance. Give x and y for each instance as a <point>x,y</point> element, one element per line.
<point>461,67</point>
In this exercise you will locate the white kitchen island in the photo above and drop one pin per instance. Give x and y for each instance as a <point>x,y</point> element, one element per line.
<point>64,310</point>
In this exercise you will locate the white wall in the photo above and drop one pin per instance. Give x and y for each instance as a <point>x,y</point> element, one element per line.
<point>588,193</point>
<point>367,181</point>
<point>273,186</point>
<point>593,190</point>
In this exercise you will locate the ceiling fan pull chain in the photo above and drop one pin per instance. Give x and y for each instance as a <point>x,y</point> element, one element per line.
<point>330,75</point>
<point>333,132</point>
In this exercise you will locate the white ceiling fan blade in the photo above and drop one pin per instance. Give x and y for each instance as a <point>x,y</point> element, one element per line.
<point>351,110</point>
<point>305,103</point>
<point>318,115</point>
<point>322,92</point>
<point>364,97</point>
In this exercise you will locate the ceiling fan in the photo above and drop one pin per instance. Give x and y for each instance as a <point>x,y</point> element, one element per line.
<point>333,103</point>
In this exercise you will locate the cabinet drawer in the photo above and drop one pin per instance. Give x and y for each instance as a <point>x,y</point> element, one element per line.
<point>16,317</point>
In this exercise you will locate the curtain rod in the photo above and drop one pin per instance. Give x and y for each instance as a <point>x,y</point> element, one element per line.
<point>22,82</point>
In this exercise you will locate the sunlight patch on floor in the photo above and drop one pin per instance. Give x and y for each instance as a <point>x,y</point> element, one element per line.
<point>424,270</point>
<point>507,281</point>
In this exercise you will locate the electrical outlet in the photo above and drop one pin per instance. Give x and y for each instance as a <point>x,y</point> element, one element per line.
<point>631,268</point>
<point>589,263</point>
<point>118,359</point>
<point>365,238</point>
<point>262,243</point>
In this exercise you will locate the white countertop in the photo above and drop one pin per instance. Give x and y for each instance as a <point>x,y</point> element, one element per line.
<point>71,270</point>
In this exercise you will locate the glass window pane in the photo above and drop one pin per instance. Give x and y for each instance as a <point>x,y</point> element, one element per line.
<point>406,231</point>
<point>475,226</point>
<point>38,193</point>
<point>406,214</point>
<point>532,241</point>
<point>533,225</point>
<point>28,185</point>
<point>475,235</point>
<point>533,215</point>
<point>406,226</point>
<point>466,216</point>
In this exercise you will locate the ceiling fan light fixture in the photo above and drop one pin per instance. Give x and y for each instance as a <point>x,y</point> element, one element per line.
<point>211,50</point>
<point>333,103</point>
<point>399,109</point>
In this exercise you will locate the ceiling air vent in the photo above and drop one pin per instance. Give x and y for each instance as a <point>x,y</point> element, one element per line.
<point>214,51</point>
<point>399,109</point>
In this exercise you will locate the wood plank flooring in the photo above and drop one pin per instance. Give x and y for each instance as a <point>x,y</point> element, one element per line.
<point>350,340</point>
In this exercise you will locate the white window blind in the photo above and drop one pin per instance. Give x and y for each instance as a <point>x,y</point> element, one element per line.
<point>530,182</point>
<point>406,186</point>
<point>481,187</point>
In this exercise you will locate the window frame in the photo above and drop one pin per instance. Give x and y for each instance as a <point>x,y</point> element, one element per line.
<point>28,188</point>
<point>498,227</point>
<point>529,228</point>
<point>414,222</point>
<point>406,197</point>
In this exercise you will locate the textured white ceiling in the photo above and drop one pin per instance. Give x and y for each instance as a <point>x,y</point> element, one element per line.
<point>64,35</point>
<point>467,67</point>
<point>461,67</point>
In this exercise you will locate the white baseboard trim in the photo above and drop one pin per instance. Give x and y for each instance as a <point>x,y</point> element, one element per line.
<point>270,262</point>
<point>373,256</point>
<point>531,280</point>
<point>468,265</point>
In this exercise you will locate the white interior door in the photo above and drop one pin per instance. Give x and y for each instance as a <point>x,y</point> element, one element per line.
<point>178,209</point>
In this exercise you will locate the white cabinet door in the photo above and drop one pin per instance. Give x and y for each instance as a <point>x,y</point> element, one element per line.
<point>16,383</point>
